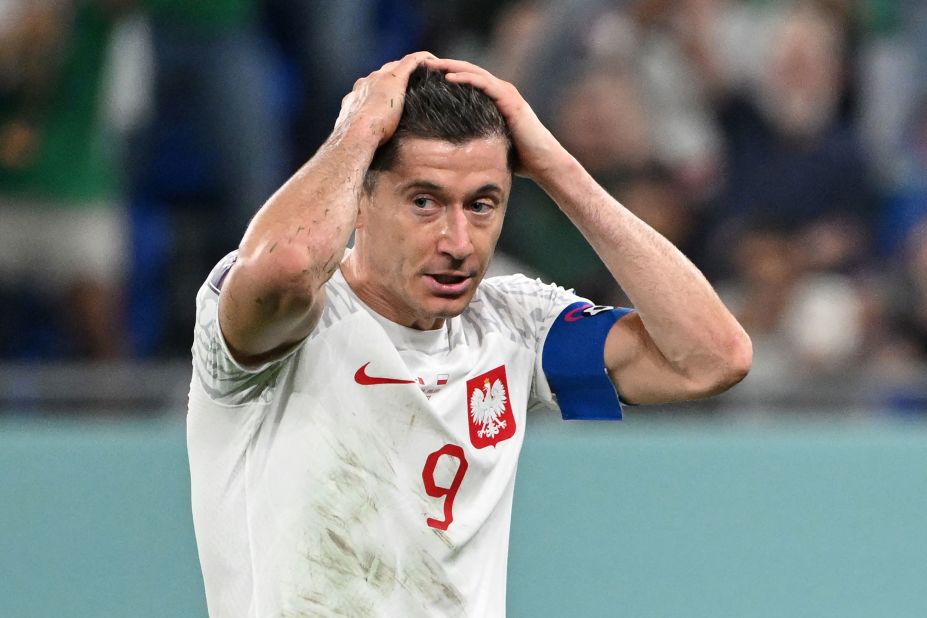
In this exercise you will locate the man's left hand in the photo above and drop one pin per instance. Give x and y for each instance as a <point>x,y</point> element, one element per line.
<point>537,148</point>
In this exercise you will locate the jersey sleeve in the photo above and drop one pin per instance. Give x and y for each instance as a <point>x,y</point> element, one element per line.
<point>224,379</point>
<point>573,362</point>
<point>568,336</point>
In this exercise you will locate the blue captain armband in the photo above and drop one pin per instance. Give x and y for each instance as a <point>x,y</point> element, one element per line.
<point>573,360</point>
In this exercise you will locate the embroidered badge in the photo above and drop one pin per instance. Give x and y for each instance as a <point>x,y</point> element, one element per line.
<point>432,388</point>
<point>490,410</point>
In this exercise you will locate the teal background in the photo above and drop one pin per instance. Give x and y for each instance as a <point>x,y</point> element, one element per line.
<point>637,518</point>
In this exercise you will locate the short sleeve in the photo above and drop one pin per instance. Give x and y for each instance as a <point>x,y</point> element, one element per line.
<point>573,359</point>
<point>532,307</point>
<point>224,379</point>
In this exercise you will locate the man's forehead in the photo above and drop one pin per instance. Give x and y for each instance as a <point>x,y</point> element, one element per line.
<point>490,153</point>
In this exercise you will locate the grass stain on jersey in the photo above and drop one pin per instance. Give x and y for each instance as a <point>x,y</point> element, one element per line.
<point>354,563</point>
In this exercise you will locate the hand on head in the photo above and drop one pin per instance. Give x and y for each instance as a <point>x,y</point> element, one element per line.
<point>377,99</point>
<point>534,143</point>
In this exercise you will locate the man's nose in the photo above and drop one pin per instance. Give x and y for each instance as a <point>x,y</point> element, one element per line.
<point>455,235</point>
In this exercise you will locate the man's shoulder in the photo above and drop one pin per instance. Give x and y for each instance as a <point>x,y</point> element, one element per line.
<point>513,284</point>
<point>519,290</point>
<point>518,300</point>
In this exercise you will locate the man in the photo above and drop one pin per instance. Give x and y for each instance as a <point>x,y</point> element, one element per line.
<point>355,420</point>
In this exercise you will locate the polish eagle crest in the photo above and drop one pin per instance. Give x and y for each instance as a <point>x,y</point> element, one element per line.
<point>490,418</point>
<point>487,405</point>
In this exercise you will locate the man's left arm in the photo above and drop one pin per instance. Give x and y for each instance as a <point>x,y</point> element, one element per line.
<point>681,342</point>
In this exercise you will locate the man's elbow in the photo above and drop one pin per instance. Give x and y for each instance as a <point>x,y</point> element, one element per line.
<point>730,363</point>
<point>284,272</point>
<point>735,361</point>
<point>740,359</point>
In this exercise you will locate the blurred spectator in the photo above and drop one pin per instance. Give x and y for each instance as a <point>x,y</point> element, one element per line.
<point>214,107</point>
<point>807,326</point>
<point>544,47</point>
<point>896,325</point>
<point>328,43</point>
<point>601,118</point>
<point>513,38</point>
<point>213,150</point>
<point>906,204</point>
<point>887,63</point>
<point>461,28</point>
<point>910,291</point>
<point>62,220</point>
<point>616,83</point>
<point>791,158</point>
<point>654,195</point>
<point>767,140</point>
<point>244,92</point>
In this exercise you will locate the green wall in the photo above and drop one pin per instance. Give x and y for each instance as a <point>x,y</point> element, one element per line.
<point>625,519</point>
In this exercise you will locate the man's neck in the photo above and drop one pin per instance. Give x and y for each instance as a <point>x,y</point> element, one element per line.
<point>379,299</point>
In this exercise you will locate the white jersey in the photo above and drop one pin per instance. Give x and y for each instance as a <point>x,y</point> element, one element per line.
<point>369,472</point>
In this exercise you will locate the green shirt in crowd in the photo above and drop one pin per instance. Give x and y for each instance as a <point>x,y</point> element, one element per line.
<point>72,161</point>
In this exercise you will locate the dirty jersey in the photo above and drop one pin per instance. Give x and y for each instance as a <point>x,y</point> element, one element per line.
<point>370,471</point>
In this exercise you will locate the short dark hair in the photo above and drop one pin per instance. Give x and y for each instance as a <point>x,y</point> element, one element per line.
<point>434,108</point>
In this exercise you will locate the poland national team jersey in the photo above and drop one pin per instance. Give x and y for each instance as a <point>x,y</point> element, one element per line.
<point>370,471</point>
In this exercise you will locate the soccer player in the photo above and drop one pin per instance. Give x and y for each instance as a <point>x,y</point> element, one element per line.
<point>356,414</point>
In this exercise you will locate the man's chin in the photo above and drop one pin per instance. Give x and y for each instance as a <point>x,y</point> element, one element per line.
<point>449,308</point>
<point>445,307</point>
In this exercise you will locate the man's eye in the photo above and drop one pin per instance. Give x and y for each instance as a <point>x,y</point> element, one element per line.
<point>421,202</point>
<point>481,207</point>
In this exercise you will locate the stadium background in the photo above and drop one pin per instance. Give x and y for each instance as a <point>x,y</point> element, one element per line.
<point>782,145</point>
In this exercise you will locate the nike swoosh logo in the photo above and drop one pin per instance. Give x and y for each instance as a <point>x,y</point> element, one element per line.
<point>361,377</point>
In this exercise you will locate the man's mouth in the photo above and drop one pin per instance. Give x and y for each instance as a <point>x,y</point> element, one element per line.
<point>449,279</point>
<point>448,284</point>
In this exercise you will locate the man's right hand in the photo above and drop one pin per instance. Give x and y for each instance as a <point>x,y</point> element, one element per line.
<point>376,100</point>
<point>273,295</point>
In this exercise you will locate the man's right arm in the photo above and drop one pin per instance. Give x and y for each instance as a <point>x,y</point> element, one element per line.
<point>273,295</point>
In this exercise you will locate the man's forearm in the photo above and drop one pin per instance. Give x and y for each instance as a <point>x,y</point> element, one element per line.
<point>294,244</point>
<point>681,312</point>
<point>308,221</point>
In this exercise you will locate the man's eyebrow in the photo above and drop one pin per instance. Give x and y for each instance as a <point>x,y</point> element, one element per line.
<point>427,185</point>
<point>421,184</point>
<point>489,187</point>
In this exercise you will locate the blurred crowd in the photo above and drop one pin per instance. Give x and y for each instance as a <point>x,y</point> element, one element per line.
<point>782,145</point>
